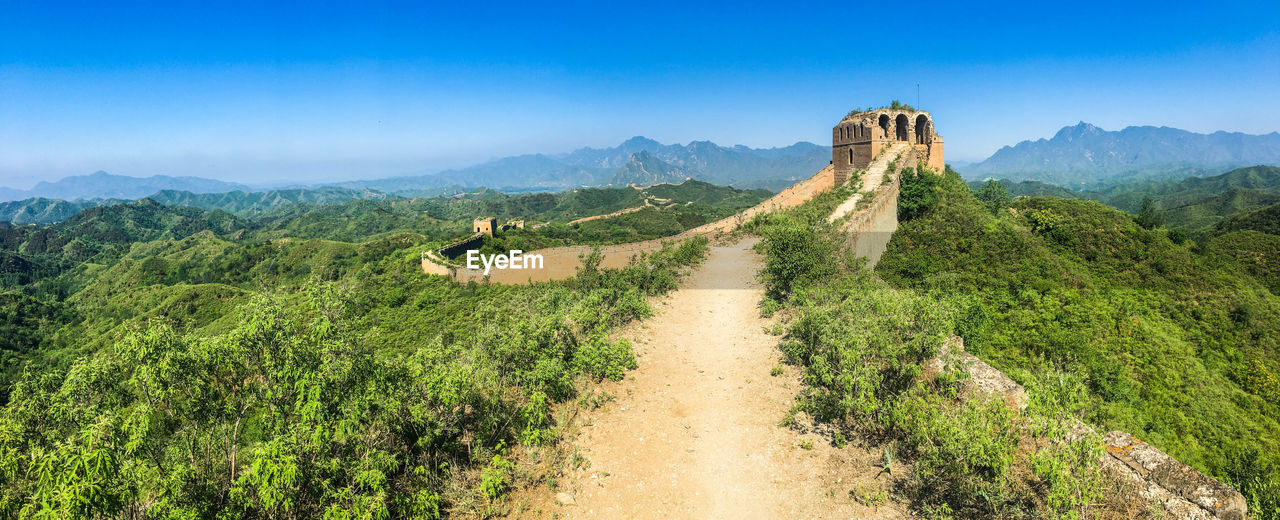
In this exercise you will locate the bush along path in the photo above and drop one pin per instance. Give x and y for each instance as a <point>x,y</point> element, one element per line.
<point>703,428</point>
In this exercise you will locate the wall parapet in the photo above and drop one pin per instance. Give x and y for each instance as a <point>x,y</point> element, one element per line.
<point>869,228</point>
<point>1183,491</point>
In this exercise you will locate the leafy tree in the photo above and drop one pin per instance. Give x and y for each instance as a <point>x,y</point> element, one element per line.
<point>898,105</point>
<point>994,196</point>
<point>1149,217</point>
<point>918,192</point>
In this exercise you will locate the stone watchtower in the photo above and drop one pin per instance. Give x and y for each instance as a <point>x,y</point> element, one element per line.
<point>861,135</point>
<point>484,225</point>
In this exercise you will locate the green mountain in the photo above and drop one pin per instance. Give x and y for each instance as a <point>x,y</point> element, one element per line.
<point>160,357</point>
<point>1169,195</point>
<point>44,211</point>
<point>1266,220</point>
<point>1194,205</point>
<point>245,203</point>
<point>47,211</point>
<point>97,229</point>
<point>1206,214</point>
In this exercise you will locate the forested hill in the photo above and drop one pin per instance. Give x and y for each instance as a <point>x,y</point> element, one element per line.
<point>177,360</point>
<point>454,204</point>
<point>1266,220</point>
<point>246,203</point>
<point>1171,195</point>
<point>90,231</point>
<point>51,260</point>
<point>40,210</point>
<point>1177,341</point>
<point>1194,205</point>
<point>47,211</point>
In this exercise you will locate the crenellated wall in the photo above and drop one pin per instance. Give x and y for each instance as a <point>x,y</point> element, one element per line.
<point>1182,491</point>
<point>472,242</point>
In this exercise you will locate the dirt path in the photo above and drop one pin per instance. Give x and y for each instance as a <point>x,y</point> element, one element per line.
<point>693,433</point>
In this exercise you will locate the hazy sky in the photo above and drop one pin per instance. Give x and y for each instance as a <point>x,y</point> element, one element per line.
<point>317,91</point>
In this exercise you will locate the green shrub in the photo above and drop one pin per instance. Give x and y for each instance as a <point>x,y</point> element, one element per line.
<point>496,478</point>
<point>604,359</point>
<point>994,196</point>
<point>918,192</point>
<point>796,255</point>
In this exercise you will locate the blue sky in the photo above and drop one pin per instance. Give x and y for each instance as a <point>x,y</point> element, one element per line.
<point>262,92</point>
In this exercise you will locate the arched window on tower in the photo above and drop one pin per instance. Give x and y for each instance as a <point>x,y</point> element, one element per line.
<point>922,129</point>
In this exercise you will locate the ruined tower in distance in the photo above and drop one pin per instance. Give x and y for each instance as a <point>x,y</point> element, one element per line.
<point>861,135</point>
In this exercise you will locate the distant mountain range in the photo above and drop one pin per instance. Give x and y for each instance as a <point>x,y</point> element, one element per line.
<point>1087,156</point>
<point>639,160</point>
<point>646,169</point>
<point>102,185</point>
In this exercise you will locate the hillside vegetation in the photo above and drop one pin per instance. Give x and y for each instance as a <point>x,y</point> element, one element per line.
<point>167,361</point>
<point>1194,205</point>
<point>1266,220</point>
<point>863,347</point>
<point>1177,345</point>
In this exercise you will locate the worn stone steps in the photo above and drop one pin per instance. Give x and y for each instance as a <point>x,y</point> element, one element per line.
<point>871,180</point>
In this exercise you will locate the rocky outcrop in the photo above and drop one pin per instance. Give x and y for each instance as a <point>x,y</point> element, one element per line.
<point>1184,492</point>
<point>983,379</point>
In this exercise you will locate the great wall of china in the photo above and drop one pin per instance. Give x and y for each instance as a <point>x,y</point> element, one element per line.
<point>865,146</point>
<point>563,262</point>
